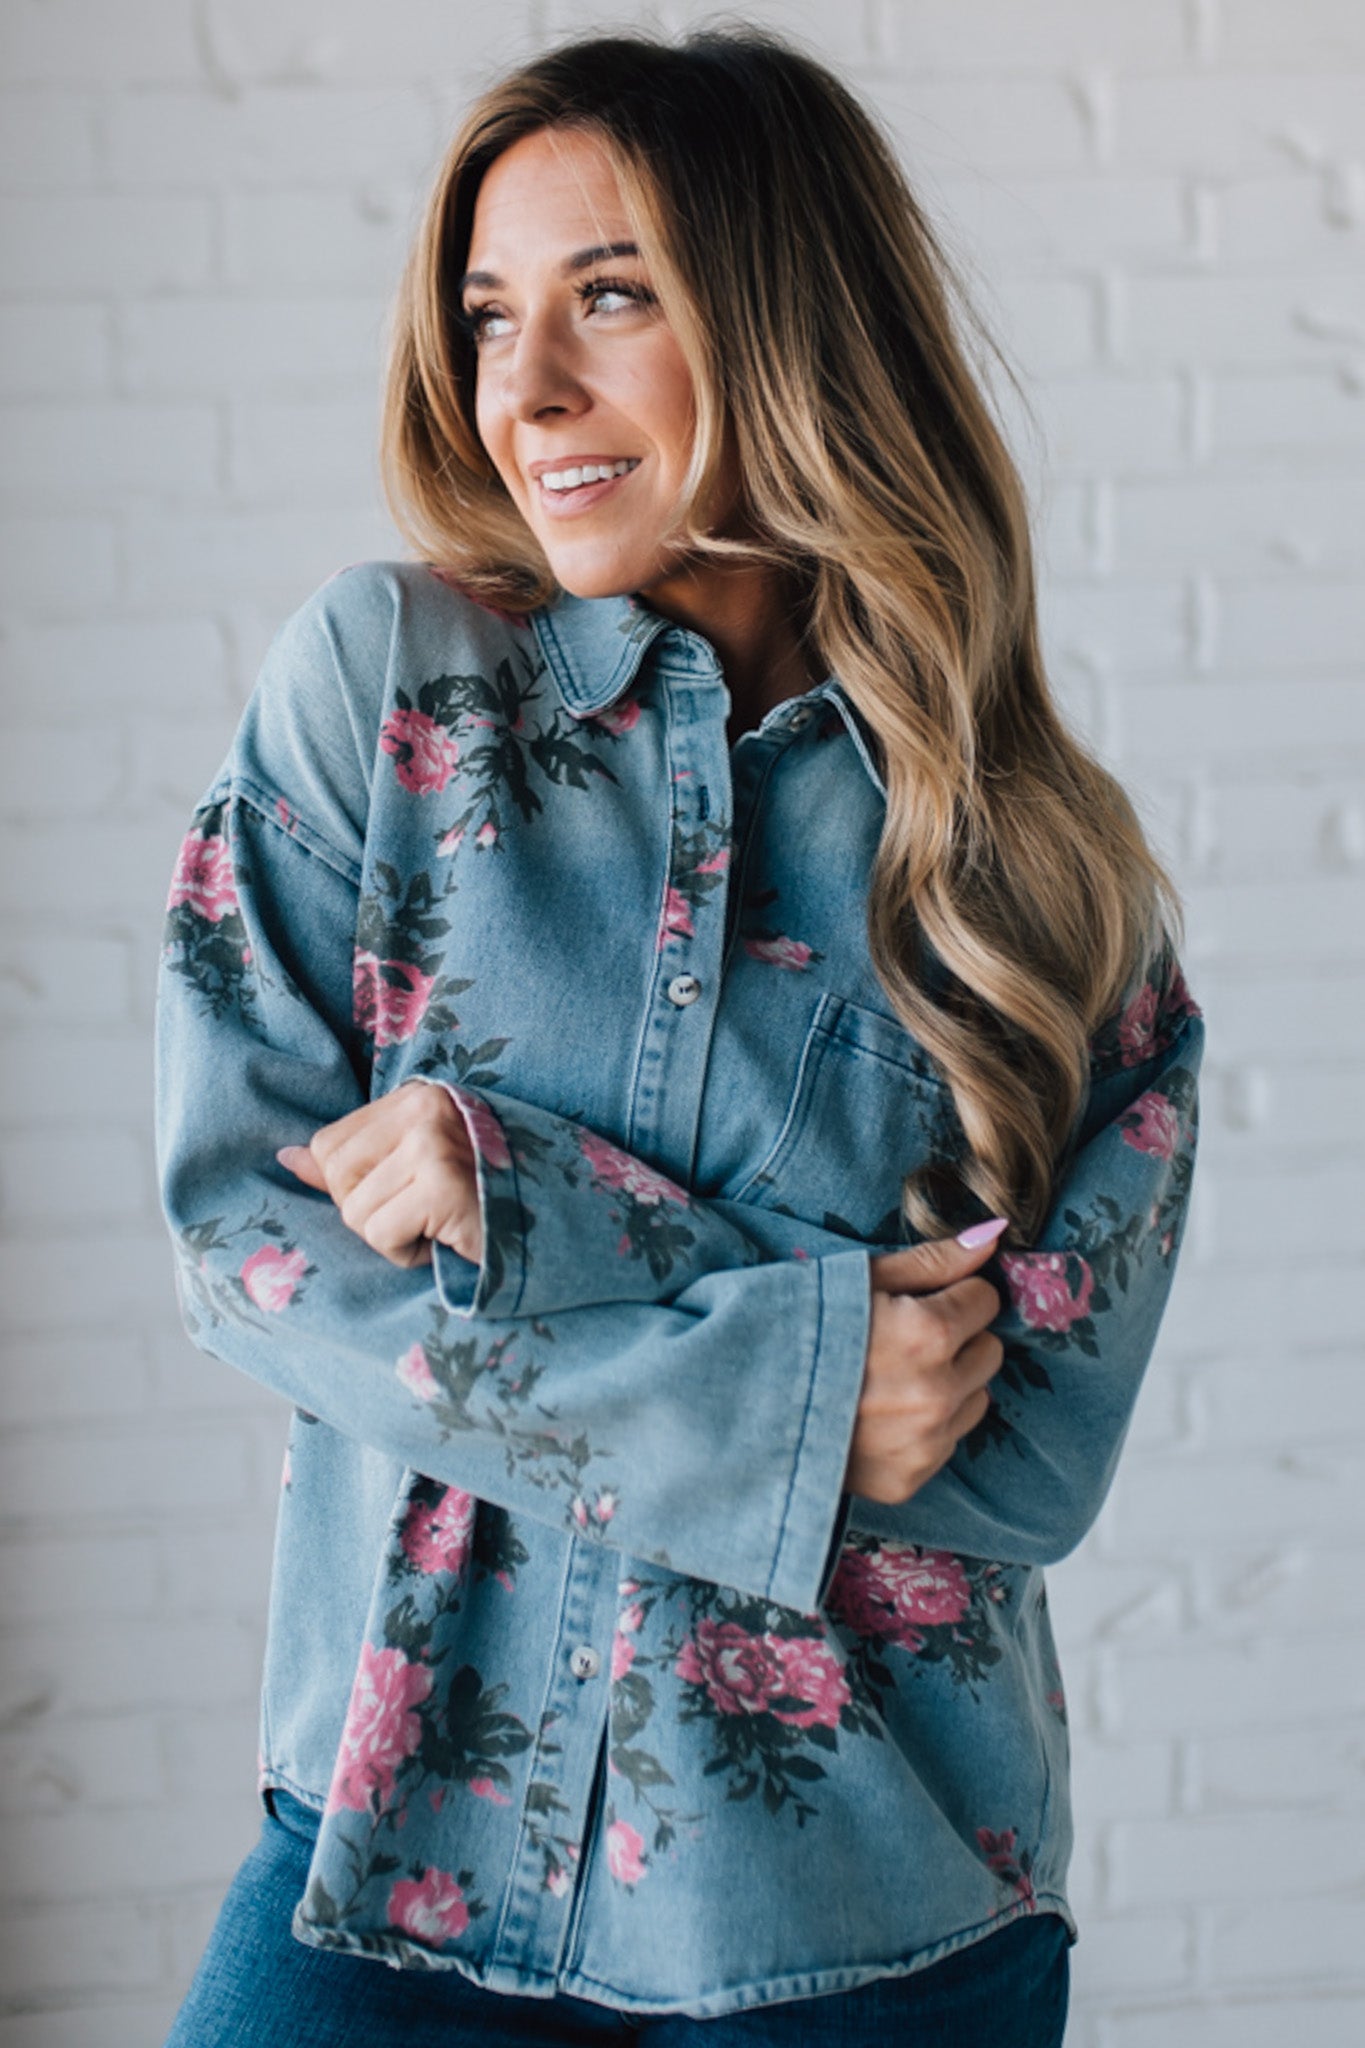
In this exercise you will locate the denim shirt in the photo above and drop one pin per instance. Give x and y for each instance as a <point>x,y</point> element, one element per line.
<point>596,1678</point>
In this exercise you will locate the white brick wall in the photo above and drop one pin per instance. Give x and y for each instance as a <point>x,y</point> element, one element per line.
<point>203,205</point>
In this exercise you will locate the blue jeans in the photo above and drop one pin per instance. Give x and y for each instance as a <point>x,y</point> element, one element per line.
<point>256,1987</point>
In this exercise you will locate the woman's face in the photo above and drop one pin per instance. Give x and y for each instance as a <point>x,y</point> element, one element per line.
<point>576,366</point>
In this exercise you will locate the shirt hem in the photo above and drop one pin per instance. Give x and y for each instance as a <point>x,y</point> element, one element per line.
<point>715,2004</point>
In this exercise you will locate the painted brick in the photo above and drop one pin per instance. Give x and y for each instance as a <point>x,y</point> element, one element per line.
<point>206,556</point>
<point>952,126</point>
<point>1316,623</point>
<point>1157,1862</point>
<point>55,770</point>
<point>1171,1504</point>
<point>270,136</point>
<point>1201,1688</point>
<point>1268,419</point>
<point>1217,122</point>
<point>87,1177</point>
<point>1292,718</point>
<point>115,1473</point>
<point>264,42</point>
<point>51,1575</point>
<point>318,241</point>
<point>1076,222</point>
<point>1270,525</point>
<point>1320,34</point>
<point>118,1949</point>
<point>47,979</point>
<point>1290,319</point>
<point>53,351</point>
<point>98,455</point>
<point>1233,1770</point>
<point>71,1763</point>
<point>146,1666</point>
<point>54,1856</point>
<point>992,34</point>
<point>1309,2021</point>
<point>294,452</point>
<point>67,247</point>
<point>47,141</point>
<point>56,563</point>
<point>72,42</point>
<point>51,1380</point>
<point>51,1068</point>
<point>173,662</point>
<point>1143,1952</point>
<point>284,346</point>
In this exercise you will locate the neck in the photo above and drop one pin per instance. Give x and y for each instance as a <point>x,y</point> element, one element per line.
<point>748,615</point>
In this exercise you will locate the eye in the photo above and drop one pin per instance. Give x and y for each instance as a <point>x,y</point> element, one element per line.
<point>616,288</point>
<point>476,320</point>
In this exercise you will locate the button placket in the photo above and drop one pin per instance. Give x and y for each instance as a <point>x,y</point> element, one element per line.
<point>683,989</point>
<point>584,1661</point>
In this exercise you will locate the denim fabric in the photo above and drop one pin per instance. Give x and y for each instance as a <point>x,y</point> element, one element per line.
<point>602,1685</point>
<point>256,1987</point>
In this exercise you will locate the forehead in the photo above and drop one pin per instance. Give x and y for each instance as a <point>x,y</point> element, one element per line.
<point>551,189</point>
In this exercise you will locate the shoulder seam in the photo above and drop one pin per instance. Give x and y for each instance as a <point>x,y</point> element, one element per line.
<point>268,804</point>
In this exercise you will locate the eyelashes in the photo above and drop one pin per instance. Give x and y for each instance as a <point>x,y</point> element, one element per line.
<point>474,319</point>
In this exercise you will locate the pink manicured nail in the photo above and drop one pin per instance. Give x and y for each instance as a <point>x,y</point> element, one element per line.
<point>982,1233</point>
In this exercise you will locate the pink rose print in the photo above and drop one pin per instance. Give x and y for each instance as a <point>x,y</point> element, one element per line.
<point>675,921</point>
<point>717,864</point>
<point>1010,1867</point>
<point>381,1729</point>
<point>558,1881</point>
<point>486,834</point>
<point>485,1132</point>
<point>451,839</point>
<point>617,1169</point>
<point>810,1672</point>
<point>484,1788</point>
<point>414,1372</point>
<point>739,1671</point>
<point>897,1591</point>
<point>624,1858</point>
<point>433,1910</point>
<point>1040,1287</point>
<point>389,997</point>
<point>270,1277</point>
<point>619,718</point>
<point>622,1656</point>
<point>438,1538</point>
<point>424,751</point>
<point>203,878</point>
<point>604,1507</point>
<point>1157,1129</point>
<point>780,951</point>
<point>631,1618</point>
<point>1137,1026</point>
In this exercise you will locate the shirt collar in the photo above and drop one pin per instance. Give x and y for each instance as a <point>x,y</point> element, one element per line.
<point>594,647</point>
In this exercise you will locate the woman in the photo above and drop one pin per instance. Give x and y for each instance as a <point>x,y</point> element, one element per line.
<point>635,962</point>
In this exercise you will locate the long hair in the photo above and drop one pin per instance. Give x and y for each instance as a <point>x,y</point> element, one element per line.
<point>1013,899</point>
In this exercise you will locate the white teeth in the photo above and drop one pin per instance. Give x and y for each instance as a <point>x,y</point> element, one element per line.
<point>587,473</point>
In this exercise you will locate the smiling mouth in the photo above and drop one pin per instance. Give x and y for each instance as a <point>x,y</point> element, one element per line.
<point>563,483</point>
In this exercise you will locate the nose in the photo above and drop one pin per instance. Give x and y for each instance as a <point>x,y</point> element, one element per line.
<point>539,375</point>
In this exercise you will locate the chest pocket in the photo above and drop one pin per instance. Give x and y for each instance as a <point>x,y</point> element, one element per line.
<point>866,1108</point>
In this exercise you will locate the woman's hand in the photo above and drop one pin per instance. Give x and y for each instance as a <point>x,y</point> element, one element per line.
<point>401,1171</point>
<point>929,1356</point>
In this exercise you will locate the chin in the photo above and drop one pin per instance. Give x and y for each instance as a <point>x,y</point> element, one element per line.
<point>594,579</point>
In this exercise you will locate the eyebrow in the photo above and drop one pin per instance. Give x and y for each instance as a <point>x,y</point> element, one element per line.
<point>582,259</point>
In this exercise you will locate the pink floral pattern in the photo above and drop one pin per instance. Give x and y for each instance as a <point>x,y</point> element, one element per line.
<point>436,1537</point>
<point>485,1131</point>
<point>675,919</point>
<point>896,1591</point>
<point>748,1674</point>
<point>425,753</point>
<point>780,951</point>
<point>390,998</point>
<point>1011,1865</point>
<point>619,718</point>
<point>381,1729</point>
<point>270,1276</point>
<point>432,1910</point>
<point>414,1372</point>
<point>1152,1125</point>
<point>625,1853</point>
<point>622,1171</point>
<point>1050,1290</point>
<point>203,880</point>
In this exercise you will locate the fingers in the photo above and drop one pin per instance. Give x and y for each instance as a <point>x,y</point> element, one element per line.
<point>939,1261</point>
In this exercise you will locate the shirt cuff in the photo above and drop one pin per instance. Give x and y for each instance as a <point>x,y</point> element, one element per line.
<point>807,1549</point>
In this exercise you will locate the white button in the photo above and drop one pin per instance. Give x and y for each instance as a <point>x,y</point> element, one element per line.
<point>801,716</point>
<point>585,1662</point>
<point>684,988</point>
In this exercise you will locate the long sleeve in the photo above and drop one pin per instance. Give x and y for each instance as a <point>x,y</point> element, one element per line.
<point>706,1431</point>
<point>565,1212</point>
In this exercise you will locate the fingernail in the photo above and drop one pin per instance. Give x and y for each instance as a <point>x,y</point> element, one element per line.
<point>982,1233</point>
<point>287,1153</point>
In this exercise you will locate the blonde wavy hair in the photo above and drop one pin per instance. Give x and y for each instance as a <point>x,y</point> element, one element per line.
<point>1013,901</point>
